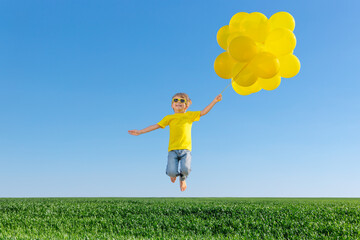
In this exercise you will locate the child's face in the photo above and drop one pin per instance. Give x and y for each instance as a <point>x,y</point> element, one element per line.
<point>179,104</point>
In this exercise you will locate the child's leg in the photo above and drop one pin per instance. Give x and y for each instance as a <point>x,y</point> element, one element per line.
<point>172,166</point>
<point>185,164</point>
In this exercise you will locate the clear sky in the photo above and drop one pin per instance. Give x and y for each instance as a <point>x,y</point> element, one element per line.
<point>75,76</point>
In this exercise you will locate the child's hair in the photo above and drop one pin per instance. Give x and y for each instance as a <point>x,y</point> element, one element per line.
<point>183,95</point>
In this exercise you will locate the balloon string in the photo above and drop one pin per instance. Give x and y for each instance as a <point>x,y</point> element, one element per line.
<point>226,86</point>
<point>236,76</point>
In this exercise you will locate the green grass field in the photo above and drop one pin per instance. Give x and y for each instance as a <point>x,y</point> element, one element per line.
<point>179,218</point>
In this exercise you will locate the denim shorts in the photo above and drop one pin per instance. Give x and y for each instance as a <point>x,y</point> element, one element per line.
<point>179,163</point>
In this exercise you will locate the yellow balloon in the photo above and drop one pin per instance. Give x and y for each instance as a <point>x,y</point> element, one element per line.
<point>282,20</point>
<point>256,26</point>
<point>233,36</point>
<point>254,88</point>
<point>243,76</point>
<point>223,65</point>
<point>265,65</point>
<point>289,66</point>
<point>239,89</point>
<point>269,83</point>
<point>246,90</point>
<point>236,22</point>
<point>242,49</point>
<point>280,41</point>
<point>222,36</point>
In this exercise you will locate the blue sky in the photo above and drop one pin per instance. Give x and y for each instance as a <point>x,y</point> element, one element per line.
<point>75,76</point>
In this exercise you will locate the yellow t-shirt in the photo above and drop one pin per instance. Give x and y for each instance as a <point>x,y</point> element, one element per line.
<point>180,129</point>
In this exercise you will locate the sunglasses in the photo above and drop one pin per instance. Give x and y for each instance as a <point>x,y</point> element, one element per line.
<point>179,100</point>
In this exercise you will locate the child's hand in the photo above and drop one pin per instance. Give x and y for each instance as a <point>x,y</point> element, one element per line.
<point>218,98</point>
<point>134,132</point>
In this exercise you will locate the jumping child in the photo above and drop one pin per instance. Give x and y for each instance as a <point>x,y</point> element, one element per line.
<point>180,124</point>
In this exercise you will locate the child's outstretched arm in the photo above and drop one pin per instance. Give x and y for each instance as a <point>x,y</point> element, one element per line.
<point>210,106</point>
<point>145,130</point>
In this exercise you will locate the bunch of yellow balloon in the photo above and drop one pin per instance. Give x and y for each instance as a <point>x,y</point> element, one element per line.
<point>258,51</point>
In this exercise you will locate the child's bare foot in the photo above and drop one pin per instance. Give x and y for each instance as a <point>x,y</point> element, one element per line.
<point>173,179</point>
<point>182,185</point>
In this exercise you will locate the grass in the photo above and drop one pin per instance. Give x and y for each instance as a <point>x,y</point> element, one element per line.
<point>179,218</point>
